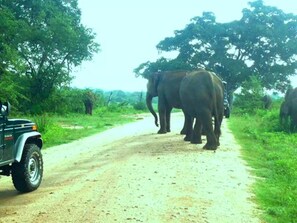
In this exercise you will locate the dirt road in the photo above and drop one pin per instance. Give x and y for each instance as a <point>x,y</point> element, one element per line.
<point>131,174</point>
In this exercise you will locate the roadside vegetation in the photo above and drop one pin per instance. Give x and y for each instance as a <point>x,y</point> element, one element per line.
<point>270,149</point>
<point>67,118</point>
<point>57,129</point>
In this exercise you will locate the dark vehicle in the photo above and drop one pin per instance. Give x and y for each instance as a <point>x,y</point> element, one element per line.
<point>20,155</point>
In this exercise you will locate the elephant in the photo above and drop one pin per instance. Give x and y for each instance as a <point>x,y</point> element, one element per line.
<point>288,109</point>
<point>88,100</point>
<point>202,98</point>
<point>165,86</point>
<point>267,101</point>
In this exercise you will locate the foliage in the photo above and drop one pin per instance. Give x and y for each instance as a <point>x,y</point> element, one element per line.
<point>272,154</point>
<point>9,28</point>
<point>162,64</point>
<point>120,97</point>
<point>66,100</point>
<point>10,90</point>
<point>250,97</point>
<point>140,106</point>
<point>43,122</point>
<point>263,43</point>
<point>48,40</point>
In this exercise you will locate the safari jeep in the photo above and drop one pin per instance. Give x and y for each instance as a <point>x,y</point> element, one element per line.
<point>20,155</point>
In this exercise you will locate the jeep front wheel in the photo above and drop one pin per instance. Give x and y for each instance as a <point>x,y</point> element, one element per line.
<point>27,174</point>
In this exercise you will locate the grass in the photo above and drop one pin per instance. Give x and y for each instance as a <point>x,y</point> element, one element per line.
<point>272,153</point>
<point>56,129</point>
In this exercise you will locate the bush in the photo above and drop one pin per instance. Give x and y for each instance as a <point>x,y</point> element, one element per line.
<point>43,122</point>
<point>140,106</point>
<point>250,97</point>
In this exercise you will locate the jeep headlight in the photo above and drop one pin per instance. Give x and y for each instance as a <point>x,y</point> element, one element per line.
<point>34,127</point>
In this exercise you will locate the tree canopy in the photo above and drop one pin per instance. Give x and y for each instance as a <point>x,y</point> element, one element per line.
<point>40,42</point>
<point>262,43</point>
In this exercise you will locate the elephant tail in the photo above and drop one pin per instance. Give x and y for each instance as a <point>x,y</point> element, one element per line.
<point>149,99</point>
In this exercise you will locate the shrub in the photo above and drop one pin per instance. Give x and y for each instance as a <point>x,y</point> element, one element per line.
<point>140,106</point>
<point>250,97</point>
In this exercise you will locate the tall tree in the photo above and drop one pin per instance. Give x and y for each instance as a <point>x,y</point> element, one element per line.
<point>262,43</point>
<point>10,62</point>
<point>51,44</point>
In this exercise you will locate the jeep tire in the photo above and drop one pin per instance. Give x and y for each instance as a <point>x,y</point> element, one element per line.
<point>27,174</point>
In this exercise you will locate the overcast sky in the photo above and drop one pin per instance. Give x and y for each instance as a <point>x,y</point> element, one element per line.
<point>129,30</point>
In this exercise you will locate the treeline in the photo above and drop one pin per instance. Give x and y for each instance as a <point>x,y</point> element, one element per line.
<point>72,100</point>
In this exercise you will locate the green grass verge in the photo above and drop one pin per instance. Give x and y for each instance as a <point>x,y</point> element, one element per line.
<point>58,130</point>
<point>272,154</point>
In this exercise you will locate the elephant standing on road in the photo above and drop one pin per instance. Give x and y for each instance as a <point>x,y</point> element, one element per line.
<point>202,97</point>
<point>166,86</point>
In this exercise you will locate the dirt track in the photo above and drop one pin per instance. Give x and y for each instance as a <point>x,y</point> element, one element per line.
<point>131,174</point>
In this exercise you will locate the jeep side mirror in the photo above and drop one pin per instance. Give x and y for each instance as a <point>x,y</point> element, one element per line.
<point>4,108</point>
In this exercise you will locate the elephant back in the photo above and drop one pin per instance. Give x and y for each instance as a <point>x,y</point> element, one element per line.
<point>204,87</point>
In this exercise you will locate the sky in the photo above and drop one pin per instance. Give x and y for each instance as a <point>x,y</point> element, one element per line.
<point>129,30</point>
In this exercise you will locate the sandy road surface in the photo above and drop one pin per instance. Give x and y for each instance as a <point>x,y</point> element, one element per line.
<point>131,174</point>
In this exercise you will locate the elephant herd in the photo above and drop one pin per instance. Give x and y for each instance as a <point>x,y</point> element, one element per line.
<point>200,95</point>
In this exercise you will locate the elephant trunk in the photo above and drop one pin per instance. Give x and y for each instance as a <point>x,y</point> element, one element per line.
<point>149,99</point>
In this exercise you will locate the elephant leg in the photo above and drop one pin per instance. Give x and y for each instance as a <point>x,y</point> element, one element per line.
<point>211,139</point>
<point>167,121</point>
<point>187,122</point>
<point>196,134</point>
<point>162,116</point>
<point>217,127</point>
<point>188,128</point>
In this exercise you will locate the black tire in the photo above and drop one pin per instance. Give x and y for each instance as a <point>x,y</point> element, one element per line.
<point>27,174</point>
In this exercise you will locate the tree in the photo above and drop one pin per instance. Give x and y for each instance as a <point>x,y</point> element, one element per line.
<point>162,64</point>
<point>51,42</point>
<point>10,62</point>
<point>262,43</point>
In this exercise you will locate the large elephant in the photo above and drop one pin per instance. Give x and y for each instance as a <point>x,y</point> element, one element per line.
<point>202,97</point>
<point>288,109</point>
<point>165,86</point>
